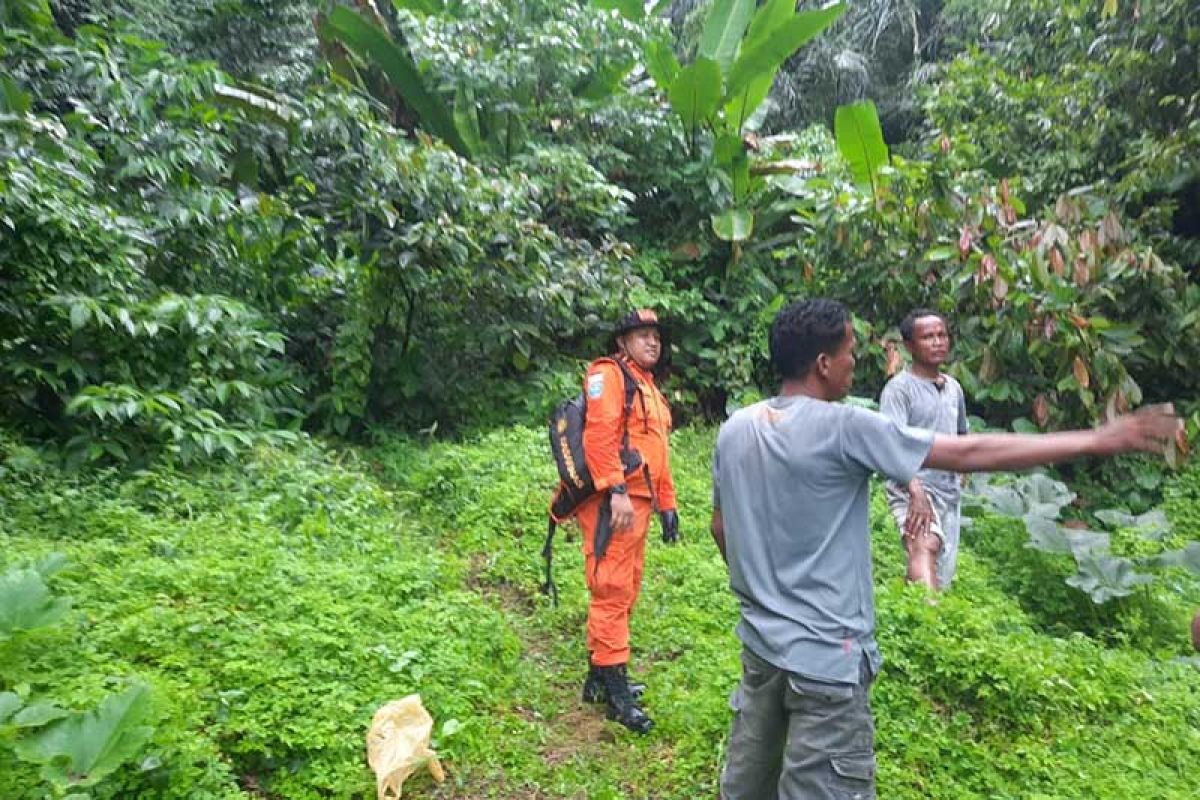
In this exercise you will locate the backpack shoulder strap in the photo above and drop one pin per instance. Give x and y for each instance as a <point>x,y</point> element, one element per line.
<point>631,390</point>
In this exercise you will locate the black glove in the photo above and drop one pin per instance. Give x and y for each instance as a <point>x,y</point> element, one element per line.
<point>670,525</point>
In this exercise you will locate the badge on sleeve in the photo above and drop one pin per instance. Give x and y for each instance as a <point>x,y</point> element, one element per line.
<point>595,385</point>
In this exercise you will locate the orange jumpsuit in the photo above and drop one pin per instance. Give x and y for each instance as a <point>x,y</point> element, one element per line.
<point>615,579</point>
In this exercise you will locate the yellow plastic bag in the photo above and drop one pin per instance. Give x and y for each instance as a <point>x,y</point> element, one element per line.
<point>398,743</point>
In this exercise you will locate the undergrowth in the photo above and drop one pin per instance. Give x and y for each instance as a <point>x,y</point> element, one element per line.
<point>272,606</point>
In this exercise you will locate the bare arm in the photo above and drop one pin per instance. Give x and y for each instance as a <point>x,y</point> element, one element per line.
<point>718,532</point>
<point>1148,430</point>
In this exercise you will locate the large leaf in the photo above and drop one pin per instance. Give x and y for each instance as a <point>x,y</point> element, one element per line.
<point>735,225</point>
<point>466,119</point>
<point>29,13</point>
<point>1104,577</point>
<point>1047,536</point>
<point>604,82</point>
<point>740,109</point>
<point>84,747</point>
<point>12,99</point>
<point>777,46</point>
<point>770,15</point>
<point>860,141</point>
<point>26,603</point>
<point>10,704</point>
<point>1086,543</point>
<point>661,63</point>
<point>723,30</point>
<point>373,44</point>
<point>695,93</point>
<point>1188,557</point>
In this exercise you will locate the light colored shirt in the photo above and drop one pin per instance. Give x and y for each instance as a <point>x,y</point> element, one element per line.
<point>921,403</point>
<point>791,476</point>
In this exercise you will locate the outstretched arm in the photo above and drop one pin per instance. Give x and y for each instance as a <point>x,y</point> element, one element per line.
<point>1149,430</point>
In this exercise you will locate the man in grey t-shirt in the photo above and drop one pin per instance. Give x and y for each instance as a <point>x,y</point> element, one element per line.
<point>927,509</point>
<point>791,488</point>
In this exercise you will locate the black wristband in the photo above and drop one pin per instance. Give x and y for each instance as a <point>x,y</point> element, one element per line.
<point>619,488</point>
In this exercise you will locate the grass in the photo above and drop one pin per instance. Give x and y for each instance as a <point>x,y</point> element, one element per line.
<point>275,604</point>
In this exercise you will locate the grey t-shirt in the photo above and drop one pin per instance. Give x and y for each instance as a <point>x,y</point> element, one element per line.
<point>791,476</point>
<point>920,403</point>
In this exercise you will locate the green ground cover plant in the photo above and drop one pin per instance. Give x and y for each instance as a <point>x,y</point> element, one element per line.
<point>271,606</point>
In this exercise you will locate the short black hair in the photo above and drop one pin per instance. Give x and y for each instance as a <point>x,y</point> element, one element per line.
<point>802,331</point>
<point>908,323</point>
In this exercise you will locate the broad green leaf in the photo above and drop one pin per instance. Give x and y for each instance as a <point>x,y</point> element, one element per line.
<point>630,9</point>
<point>373,44</point>
<point>1115,518</point>
<point>12,99</point>
<point>86,746</point>
<point>466,119</point>
<point>734,225</point>
<point>1104,577</point>
<point>726,150</point>
<point>770,15</point>
<point>723,30</point>
<point>26,603</point>
<point>30,13</point>
<point>1153,525</point>
<point>860,142</point>
<point>1109,10</point>
<point>740,109</point>
<point>37,715</point>
<point>1087,543</point>
<point>777,46</point>
<point>605,81</point>
<point>10,703</point>
<point>695,94</point>
<point>661,63</point>
<point>1188,557</point>
<point>1046,535</point>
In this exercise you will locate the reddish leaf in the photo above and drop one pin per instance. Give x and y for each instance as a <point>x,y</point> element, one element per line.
<point>1081,373</point>
<point>1041,410</point>
<point>944,144</point>
<point>808,272</point>
<point>1111,231</point>
<point>999,287</point>
<point>964,243</point>
<point>989,369</point>
<point>1056,261</point>
<point>1083,273</point>
<point>1088,242</point>
<point>1078,321</point>
<point>688,251</point>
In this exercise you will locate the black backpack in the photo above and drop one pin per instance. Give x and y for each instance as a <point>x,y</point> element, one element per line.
<point>576,484</point>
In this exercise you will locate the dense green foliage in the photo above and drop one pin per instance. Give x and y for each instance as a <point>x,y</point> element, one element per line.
<point>227,228</point>
<point>272,607</point>
<point>193,263</point>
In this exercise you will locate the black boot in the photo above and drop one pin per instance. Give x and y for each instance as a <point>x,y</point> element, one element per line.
<point>620,703</point>
<point>594,691</point>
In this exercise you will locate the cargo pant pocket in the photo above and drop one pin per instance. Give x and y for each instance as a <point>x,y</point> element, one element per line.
<point>853,775</point>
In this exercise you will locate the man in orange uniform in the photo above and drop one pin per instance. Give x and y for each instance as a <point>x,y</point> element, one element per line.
<point>616,520</point>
